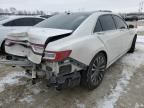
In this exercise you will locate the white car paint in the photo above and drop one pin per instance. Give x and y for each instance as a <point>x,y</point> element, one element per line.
<point>4,30</point>
<point>83,42</point>
<point>34,36</point>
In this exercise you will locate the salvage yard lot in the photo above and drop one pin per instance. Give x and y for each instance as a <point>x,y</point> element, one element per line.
<point>122,87</point>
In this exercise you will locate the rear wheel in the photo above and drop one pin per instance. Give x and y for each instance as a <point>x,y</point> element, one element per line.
<point>96,70</point>
<point>132,49</point>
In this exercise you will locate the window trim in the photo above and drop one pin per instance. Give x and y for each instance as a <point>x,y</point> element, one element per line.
<point>96,25</point>
<point>101,24</point>
<point>113,22</point>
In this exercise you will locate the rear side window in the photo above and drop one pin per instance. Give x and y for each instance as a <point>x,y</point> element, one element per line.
<point>119,22</point>
<point>23,22</point>
<point>98,27</point>
<point>107,22</point>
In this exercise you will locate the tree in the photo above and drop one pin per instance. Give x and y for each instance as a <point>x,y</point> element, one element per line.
<point>13,10</point>
<point>1,10</point>
<point>25,12</point>
<point>42,12</point>
<point>20,12</point>
<point>6,11</point>
<point>38,12</point>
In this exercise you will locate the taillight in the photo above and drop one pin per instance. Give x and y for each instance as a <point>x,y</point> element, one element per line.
<point>56,56</point>
<point>37,48</point>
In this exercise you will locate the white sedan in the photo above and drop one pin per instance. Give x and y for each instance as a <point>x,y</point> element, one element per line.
<point>9,23</point>
<point>74,47</point>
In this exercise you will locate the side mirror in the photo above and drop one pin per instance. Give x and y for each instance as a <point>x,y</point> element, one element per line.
<point>131,26</point>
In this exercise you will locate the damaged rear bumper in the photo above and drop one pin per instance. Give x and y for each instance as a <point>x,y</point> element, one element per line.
<point>58,74</point>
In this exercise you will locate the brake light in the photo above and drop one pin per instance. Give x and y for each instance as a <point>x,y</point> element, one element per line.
<point>56,56</point>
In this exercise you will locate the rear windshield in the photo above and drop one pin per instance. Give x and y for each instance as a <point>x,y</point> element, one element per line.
<point>63,21</point>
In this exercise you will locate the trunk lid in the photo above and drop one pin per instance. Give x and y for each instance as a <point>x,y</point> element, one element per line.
<point>25,39</point>
<point>36,35</point>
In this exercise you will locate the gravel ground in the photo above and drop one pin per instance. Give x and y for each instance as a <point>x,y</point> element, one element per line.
<point>122,87</point>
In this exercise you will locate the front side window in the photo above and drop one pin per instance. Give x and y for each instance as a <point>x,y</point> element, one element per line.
<point>119,22</point>
<point>107,22</point>
<point>64,21</point>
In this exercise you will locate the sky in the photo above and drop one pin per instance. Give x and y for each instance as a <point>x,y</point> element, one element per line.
<point>72,5</point>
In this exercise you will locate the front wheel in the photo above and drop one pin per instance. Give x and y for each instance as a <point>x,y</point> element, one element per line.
<point>96,70</point>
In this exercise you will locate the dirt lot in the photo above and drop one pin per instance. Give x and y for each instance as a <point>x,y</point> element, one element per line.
<point>123,87</point>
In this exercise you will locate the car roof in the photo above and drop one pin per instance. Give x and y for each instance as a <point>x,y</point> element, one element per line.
<point>10,18</point>
<point>99,12</point>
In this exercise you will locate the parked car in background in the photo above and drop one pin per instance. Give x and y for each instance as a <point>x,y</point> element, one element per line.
<point>131,18</point>
<point>73,47</point>
<point>9,23</point>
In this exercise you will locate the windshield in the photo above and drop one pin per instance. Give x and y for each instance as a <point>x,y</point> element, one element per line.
<point>64,21</point>
<point>3,18</point>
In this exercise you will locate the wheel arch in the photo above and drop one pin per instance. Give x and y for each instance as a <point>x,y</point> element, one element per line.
<point>101,51</point>
<point>104,54</point>
<point>2,47</point>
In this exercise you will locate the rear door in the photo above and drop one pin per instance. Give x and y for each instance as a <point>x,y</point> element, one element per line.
<point>124,33</point>
<point>109,35</point>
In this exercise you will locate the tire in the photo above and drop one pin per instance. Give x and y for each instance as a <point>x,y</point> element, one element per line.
<point>2,49</point>
<point>94,75</point>
<point>132,49</point>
